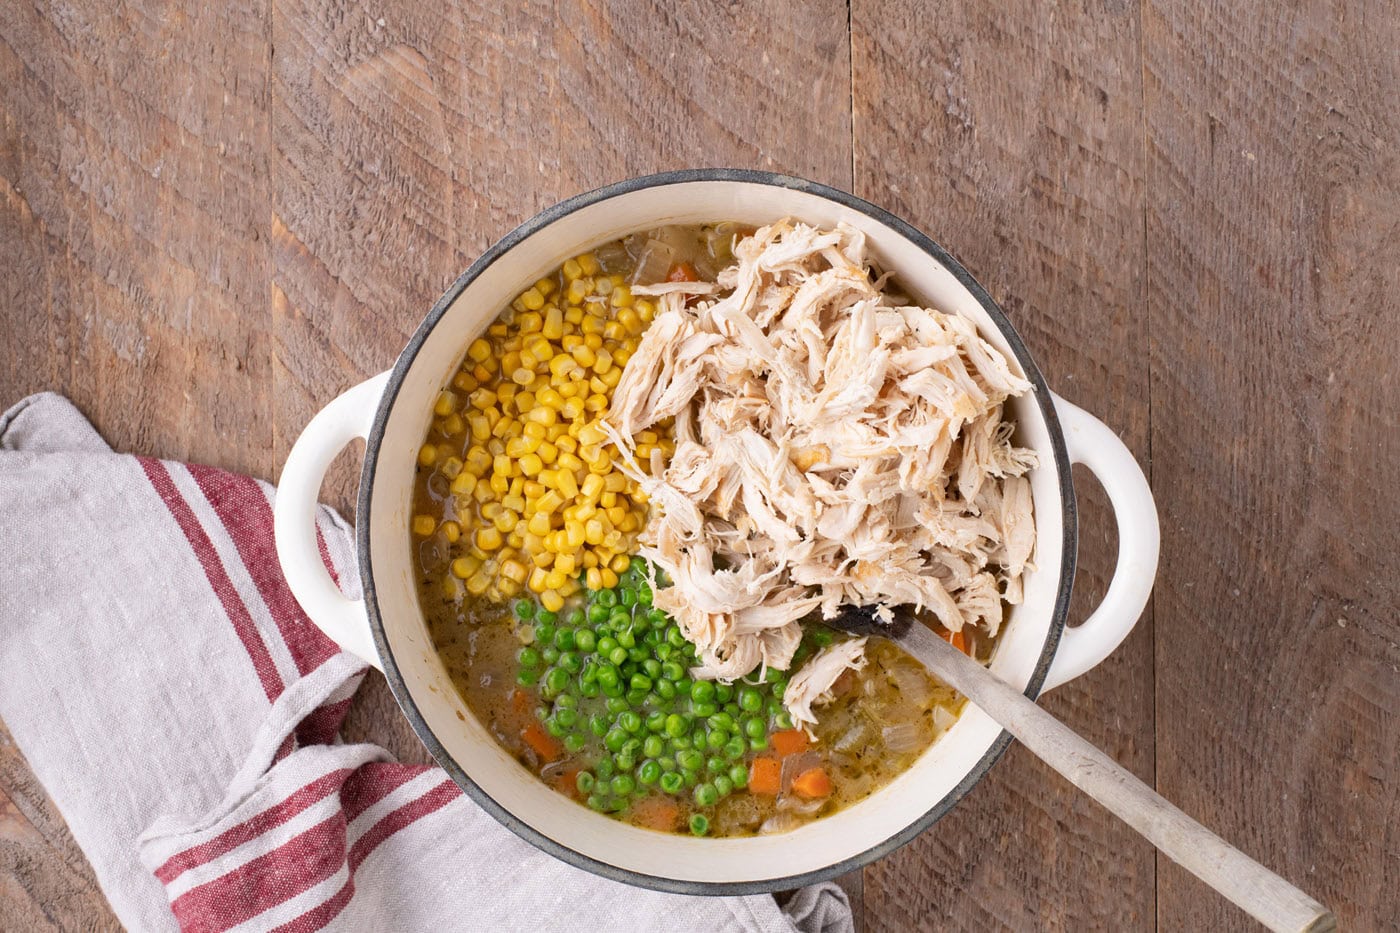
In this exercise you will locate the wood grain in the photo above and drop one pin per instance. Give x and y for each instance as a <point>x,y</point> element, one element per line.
<point>1013,136</point>
<point>1274,270</point>
<point>215,217</point>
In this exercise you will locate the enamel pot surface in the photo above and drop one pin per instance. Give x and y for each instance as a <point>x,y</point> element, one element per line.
<point>392,411</point>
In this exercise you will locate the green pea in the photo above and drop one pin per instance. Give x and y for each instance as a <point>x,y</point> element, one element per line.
<point>698,738</point>
<point>606,598</point>
<point>598,724</point>
<point>644,596</point>
<point>716,738</point>
<point>656,721</point>
<point>604,769</point>
<point>585,640</point>
<point>754,727</point>
<point>630,722</point>
<point>774,707</point>
<point>691,778</point>
<point>733,710</point>
<point>524,610</point>
<point>550,654</point>
<point>574,742</point>
<point>702,710</point>
<point>528,658</point>
<point>723,785</point>
<point>690,760</point>
<point>584,782</point>
<point>666,689</point>
<point>567,717</point>
<point>652,638</point>
<point>625,638</point>
<point>676,725</point>
<point>666,763</point>
<point>681,741</point>
<point>649,772</point>
<point>739,776</point>
<point>617,705</point>
<point>567,700</point>
<point>779,690</point>
<point>822,638</point>
<point>554,727</point>
<point>652,668</point>
<point>758,744</point>
<point>628,597</point>
<point>699,826</point>
<point>702,691</point>
<point>546,617</point>
<point>750,700</point>
<point>640,682</point>
<point>556,680</point>
<point>672,782</point>
<point>663,651</point>
<point>659,619</point>
<point>684,685</point>
<point>589,689</point>
<point>614,739</point>
<point>526,678</point>
<point>670,670</point>
<point>716,765</point>
<point>784,720</point>
<point>576,617</point>
<point>606,644</point>
<point>571,662</point>
<point>607,677</point>
<point>734,749</point>
<point>636,697</point>
<point>618,655</point>
<point>674,637</point>
<point>597,614</point>
<point>638,654</point>
<point>721,720</point>
<point>724,693</point>
<point>596,802</point>
<point>706,795</point>
<point>564,639</point>
<point>614,690</point>
<point>625,760</point>
<point>653,746</point>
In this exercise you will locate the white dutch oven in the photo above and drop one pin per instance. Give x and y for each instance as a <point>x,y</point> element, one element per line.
<point>392,410</point>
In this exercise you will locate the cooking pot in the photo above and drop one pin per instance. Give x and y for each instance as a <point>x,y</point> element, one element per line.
<point>391,412</point>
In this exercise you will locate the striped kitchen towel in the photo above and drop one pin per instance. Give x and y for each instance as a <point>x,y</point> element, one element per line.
<point>183,713</point>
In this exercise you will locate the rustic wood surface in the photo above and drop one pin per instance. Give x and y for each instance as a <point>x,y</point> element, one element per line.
<point>215,217</point>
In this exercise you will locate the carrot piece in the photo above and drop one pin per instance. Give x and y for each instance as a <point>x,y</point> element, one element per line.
<point>789,742</point>
<point>656,813</point>
<point>766,776</point>
<point>958,640</point>
<point>683,272</point>
<point>544,744</point>
<point>812,783</point>
<point>521,701</point>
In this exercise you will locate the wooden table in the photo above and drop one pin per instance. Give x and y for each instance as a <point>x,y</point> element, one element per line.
<point>214,219</point>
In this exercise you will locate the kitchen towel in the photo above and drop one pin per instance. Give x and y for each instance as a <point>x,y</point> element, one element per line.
<point>183,713</point>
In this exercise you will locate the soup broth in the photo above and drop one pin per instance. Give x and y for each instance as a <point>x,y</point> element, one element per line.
<point>524,536</point>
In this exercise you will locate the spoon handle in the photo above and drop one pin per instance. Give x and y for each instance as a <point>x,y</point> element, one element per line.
<point>1259,892</point>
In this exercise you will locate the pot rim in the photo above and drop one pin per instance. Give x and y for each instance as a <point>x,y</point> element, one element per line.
<point>374,441</point>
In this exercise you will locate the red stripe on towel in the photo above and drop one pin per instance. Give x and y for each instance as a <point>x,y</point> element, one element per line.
<point>253,827</point>
<point>217,575</point>
<point>246,516</point>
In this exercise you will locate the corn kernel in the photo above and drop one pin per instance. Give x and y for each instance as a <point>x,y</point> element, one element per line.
<point>477,583</point>
<point>565,564</point>
<point>480,350</point>
<point>427,455</point>
<point>531,464</point>
<point>609,579</point>
<point>589,263</point>
<point>489,538</point>
<point>532,299</point>
<point>551,600</point>
<point>593,578</point>
<point>424,525</point>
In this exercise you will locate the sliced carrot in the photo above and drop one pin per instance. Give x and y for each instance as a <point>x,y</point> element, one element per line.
<point>683,272</point>
<point>789,742</point>
<point>958,640</point>
<point>544,744</point>
<point>812,783</point>
<point>766,776</point>
<point>656,813</point>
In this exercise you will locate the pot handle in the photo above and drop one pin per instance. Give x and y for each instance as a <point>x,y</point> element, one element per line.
<point>1093,443</point>
<point>294,517</point>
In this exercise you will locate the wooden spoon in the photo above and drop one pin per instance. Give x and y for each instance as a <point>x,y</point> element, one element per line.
<point>1259,892</point>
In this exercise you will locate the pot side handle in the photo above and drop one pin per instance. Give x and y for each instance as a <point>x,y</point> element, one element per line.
<point>294,517</point>
<point>1093,443</point>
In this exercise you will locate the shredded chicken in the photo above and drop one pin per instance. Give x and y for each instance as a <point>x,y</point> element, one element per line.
<point>811,686</point>
<point>833,446</point>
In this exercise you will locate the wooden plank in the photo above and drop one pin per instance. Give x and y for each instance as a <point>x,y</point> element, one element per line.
<point>1273,279</point>
<point>133,212</point>
<point>1013,136</point>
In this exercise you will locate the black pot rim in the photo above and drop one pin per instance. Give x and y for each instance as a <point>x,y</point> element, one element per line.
<point>376,436</point>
